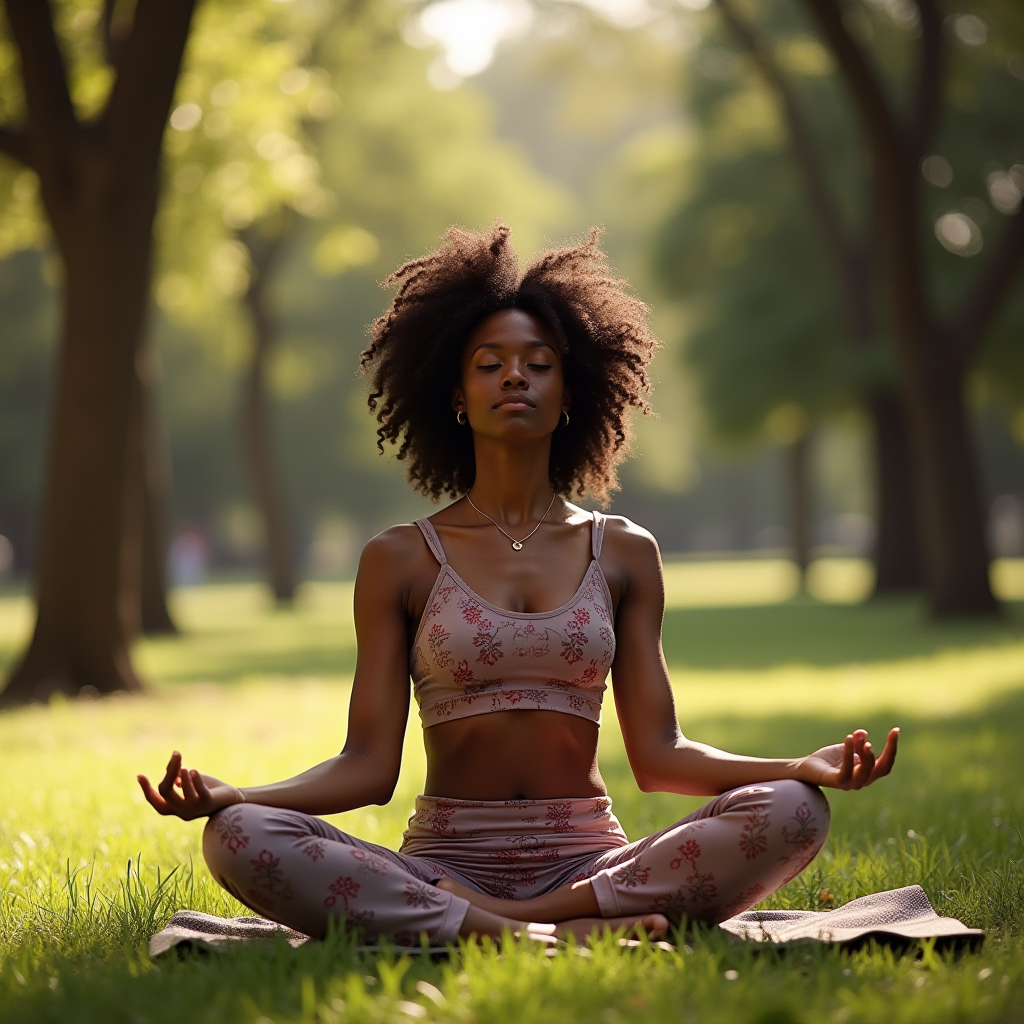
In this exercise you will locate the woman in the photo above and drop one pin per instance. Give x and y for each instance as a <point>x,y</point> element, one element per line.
<point>513,390</point>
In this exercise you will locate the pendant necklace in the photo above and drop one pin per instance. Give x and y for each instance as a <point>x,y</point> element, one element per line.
<point>517,545</point>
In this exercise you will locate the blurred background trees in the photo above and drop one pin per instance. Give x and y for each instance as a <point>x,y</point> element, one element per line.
<point>310,147</point>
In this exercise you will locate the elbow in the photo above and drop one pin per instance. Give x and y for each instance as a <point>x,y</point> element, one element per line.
<point>384,789</point>
<point>647,781</point>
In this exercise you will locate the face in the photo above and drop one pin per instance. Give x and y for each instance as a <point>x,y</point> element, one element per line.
<point>512,379</point>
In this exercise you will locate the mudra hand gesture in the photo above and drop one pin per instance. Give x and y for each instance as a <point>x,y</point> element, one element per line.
<point>187,793</point>
<point>851,764</point>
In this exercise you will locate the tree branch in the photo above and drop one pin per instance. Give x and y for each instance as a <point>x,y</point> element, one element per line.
<point>16,144</point>
<point>150,60</point>
<point>864,85</point>
<point>929,81</point>
<point>44,78</point>
<point>843,253</point>
<point>969,327</point>
<point>113,39</point>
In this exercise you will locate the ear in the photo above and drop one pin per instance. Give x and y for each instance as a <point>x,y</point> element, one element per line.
<point>458,399</point>
<point>566,399</point>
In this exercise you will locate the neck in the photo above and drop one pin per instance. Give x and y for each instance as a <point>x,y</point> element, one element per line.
<point>512,483</point>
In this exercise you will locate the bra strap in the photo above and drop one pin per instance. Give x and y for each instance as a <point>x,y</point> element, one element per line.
<point>597,534</point>
<point>430,536</point>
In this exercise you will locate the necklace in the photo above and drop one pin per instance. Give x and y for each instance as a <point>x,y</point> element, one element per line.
<point>517,545</point>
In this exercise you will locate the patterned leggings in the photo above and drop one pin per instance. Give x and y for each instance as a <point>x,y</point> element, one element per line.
<point>719,861</point>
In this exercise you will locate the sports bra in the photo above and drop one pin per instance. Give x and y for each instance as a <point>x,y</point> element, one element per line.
<point>470,657</point>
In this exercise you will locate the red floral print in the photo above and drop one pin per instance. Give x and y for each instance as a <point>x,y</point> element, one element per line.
<point>689,852</point>
<point>558,817</point>
<point>372,862</point>
<point>228,825</point>
<point>803,831</point>
<point>471,611</point>
<point>314,850</point>
<point>753,840</point>
<point>632,875</point>
<point>268,877</point>
<point>462,672</point>
<point>435,639</point>
<point>345,888</point>
<point>572,647</point>
<point>417,894</point>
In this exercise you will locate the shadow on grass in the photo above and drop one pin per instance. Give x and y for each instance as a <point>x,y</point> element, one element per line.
<point>811,633</point>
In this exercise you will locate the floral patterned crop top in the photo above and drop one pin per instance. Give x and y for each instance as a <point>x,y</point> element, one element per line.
<point>470,657</point>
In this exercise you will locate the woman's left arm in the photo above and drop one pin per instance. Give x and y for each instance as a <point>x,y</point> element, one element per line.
<point>662,758</point>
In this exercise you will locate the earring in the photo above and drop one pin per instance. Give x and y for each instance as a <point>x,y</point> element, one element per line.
<point>461,418</point>
<point>566,415</point>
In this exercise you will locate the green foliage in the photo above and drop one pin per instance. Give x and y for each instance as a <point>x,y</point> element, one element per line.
<point>744,251</point>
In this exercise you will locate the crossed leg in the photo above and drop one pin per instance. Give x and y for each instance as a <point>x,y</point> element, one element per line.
<point>301,871</point>
<point>715,863</point>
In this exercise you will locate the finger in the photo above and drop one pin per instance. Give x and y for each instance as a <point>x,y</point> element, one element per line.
<point>846,768</point>
<point>200,785</point>
<point>888,756</point>
<point>155,799</point>
<point>188,789</point>
<point>862,776</point>
<point>166,785</point>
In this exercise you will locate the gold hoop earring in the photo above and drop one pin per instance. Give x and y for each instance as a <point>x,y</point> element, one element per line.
<point>566,415</point>
<point>461,418</point>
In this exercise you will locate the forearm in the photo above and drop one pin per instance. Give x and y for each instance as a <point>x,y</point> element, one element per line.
<point>342,783</point>
<point>698,769</point>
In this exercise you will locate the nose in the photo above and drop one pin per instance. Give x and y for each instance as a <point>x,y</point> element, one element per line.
<point>514,379</point>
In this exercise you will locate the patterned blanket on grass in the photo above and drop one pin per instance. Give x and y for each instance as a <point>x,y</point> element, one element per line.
<point>897,917</point>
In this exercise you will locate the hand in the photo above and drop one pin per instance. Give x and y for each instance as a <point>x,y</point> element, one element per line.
<point>187,793</point>
<point>849,765</point>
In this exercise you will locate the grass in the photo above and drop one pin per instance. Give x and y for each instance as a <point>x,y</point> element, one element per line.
<point>87,871</point>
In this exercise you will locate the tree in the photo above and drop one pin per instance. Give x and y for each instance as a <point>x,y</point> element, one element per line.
<point>753,216</point>
<point>850,250</point>
<point>935,347</point>
<point>94,139</point>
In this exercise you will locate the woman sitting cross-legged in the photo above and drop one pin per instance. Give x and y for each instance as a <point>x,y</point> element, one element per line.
<point>512,390</point>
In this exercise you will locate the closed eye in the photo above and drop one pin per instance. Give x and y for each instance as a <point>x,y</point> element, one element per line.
<point>539,366</point>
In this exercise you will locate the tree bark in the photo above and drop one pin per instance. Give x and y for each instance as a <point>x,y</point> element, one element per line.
<point>153,480</point>
<point>801,502</point>
<point>256,420</point>
<point>99,185</point>
<point>897,556</point>
<point>87,550</point>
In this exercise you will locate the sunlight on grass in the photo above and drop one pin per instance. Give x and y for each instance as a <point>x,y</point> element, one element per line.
<point>252,694</point>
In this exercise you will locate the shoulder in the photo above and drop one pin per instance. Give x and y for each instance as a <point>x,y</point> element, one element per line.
<point>396,547</point>
<point>631,561</point>
<point>623,538</point>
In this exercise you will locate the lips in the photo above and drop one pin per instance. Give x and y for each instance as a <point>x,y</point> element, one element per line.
<point>517,401</point>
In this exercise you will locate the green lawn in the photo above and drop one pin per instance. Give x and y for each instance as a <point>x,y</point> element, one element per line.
<point>87,870</point>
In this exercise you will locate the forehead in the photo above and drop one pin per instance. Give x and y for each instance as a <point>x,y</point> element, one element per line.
<point>510,327</point>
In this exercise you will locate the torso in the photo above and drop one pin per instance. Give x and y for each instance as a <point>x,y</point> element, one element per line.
<point>518,754</point>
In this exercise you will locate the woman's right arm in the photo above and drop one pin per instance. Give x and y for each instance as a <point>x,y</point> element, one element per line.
<point>366,771</point>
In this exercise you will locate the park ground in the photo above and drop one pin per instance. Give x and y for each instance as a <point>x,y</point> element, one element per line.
<point>88,871</point>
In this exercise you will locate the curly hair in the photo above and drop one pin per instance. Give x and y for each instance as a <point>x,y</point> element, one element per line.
<point>415,355</point>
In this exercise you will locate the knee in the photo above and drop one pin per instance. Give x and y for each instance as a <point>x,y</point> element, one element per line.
<point>804,804</point>
<point>229,834</point>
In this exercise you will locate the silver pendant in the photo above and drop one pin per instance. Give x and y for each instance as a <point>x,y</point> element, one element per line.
<point>516,546</point>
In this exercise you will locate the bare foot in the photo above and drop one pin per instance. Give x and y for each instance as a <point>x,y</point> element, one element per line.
<point>654,926</point>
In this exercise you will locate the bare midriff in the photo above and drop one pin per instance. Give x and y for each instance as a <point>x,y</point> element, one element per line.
<point>513,755</point>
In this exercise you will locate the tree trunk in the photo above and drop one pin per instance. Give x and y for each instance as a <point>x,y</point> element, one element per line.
<point>798,457</point>
<point>897,558</point>
<point>153,479</point>
<point>257,433</point>
<point>949,509</point>
<point>89,541</point>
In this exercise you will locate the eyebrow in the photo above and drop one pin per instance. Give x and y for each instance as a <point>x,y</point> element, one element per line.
<point>497,345</point>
